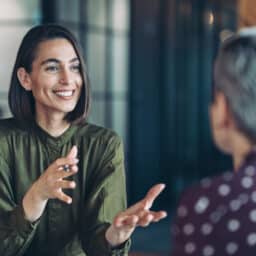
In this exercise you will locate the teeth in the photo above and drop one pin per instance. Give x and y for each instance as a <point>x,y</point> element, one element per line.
<point>65,93</point>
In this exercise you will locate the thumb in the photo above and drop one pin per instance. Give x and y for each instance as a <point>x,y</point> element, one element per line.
<point>73,152</point>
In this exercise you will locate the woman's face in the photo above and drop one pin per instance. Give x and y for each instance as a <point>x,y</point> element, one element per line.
<point>55,79</point>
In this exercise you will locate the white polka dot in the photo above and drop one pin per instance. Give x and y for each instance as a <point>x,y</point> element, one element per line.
<point>231,248</point>
<point>250,171</point>
<point>182,211</point>
<point>247,182</point>
<point>206,182</point>
<point>253,196</point>
<point>190,248</point>
<point>208,250</point>
<point>253,215</point>
<point>228,176</point>
<point>235,205</point>
<point>251,239</point>
<point>206,228</point>
<point>201,205</point>
<point>224,190</point>
<point>188,229</point>
<point>233,225</point>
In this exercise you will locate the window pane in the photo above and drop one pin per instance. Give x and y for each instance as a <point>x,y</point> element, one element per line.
<point>119,107</point>
<point>97,114</point>
<point>96,12</point>
<point>16,9</point>
<point>68,10</point>
<point>8,51</point>
<point>95,58</point>
<point>120,14</point>
<point>120,64</point>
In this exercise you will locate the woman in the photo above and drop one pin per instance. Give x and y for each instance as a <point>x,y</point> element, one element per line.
<point>218,216</point>
<point>62,184</point>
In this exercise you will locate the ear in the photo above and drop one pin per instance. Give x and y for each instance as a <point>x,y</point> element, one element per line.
<point>24,79</point>
<point>220,112</point>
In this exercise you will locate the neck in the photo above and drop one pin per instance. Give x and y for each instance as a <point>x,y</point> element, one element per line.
<point>241,148</point>
<point>53,125</point>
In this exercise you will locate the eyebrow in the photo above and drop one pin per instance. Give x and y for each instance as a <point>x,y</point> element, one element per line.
<point>57,61</point>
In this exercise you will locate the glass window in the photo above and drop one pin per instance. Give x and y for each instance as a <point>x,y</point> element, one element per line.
<point>68,10</point>
<point>97,114</point>
<point>96,13</point>
<point>120,15</point>
<point>120,69</point>
<point>17,10</point>
<point>96,61</point>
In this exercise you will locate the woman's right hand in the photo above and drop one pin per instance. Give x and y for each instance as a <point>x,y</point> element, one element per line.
<point>49,186</point>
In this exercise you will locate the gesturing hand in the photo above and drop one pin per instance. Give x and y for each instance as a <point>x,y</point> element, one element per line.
<point>50,184</point>
<point>137,215</point>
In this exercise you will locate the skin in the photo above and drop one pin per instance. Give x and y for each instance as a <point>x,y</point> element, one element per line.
<point>225,133</point>
<point>56,82</point>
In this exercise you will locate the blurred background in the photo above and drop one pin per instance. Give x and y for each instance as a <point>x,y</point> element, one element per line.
<point>150,66</point>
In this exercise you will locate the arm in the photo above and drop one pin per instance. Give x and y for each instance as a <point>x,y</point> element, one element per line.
<point>18,222</point>
<point>106,196</point>
<point>16,233</point>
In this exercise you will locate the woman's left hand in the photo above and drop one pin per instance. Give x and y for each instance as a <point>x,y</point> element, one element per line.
<point>138,214</point>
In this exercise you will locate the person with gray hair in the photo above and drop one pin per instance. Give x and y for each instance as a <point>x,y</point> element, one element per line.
<point>218,216</point>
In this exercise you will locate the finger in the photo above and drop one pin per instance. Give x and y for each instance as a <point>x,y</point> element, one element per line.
<point>63,174</point>
<point>134,208</point>
<point>145,220</point>
<point>152,195</point>
<point>60,162</point>
<point>147,201</point>
<point>126,221</point>
<point>159,215</point>
<point>65,184</point>
<point>63,197</point>
<point>73,152</point>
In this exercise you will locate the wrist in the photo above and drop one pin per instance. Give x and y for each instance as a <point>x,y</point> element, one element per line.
<point>116,237</point>
<point>33,205</point>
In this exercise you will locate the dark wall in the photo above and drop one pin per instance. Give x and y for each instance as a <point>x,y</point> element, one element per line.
<point>173,44</point>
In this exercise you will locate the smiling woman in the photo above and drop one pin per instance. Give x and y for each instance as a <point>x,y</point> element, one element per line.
<point>62,183</point>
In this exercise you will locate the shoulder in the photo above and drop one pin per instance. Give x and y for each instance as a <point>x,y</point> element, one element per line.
<point>10,126</point>
<point>203,197</point>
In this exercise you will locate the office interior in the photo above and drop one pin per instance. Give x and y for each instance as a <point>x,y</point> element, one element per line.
<point>150,68</point>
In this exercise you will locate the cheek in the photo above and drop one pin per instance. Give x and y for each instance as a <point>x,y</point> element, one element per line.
<point>79,81</point>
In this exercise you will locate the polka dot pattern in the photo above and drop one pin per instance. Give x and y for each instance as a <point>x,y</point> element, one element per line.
<point>231,248</point>
<point>201,205</point>
<point>208,250</point>
<point>251,239</point>
<point>218,217</point>
<point>224,190</point>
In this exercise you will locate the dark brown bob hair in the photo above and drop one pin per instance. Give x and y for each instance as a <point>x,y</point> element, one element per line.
<point>21,102</point>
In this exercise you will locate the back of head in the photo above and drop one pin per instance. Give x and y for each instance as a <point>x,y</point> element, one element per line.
<point>235,77</point>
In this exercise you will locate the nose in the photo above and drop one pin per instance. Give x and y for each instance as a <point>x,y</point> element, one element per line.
<point>66,77</point>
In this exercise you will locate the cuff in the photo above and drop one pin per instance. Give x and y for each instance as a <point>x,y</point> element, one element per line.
<point>122,249</point>
<point>24,227</point>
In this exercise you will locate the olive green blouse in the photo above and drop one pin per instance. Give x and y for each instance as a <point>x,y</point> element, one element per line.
<point>68,230</point>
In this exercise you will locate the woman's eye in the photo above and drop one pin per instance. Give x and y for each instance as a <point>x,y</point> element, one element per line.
<point>52,69</point>
<point>76,68</point>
